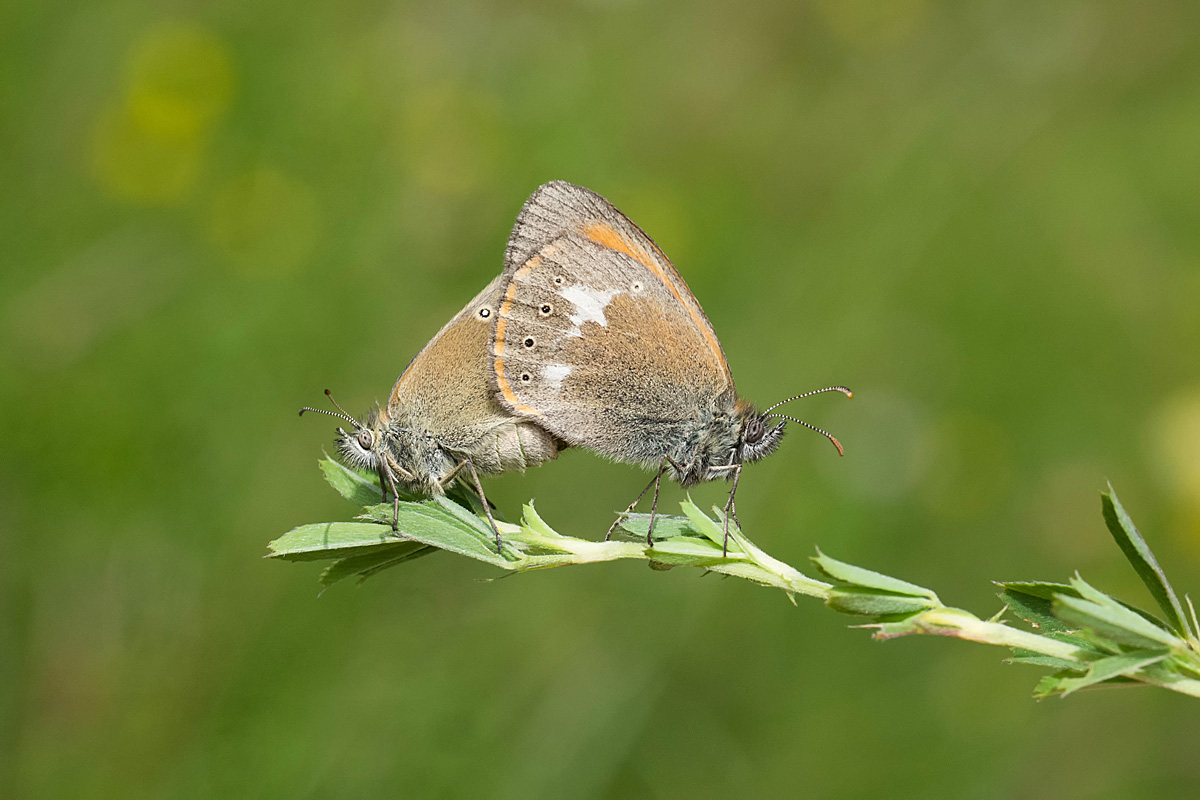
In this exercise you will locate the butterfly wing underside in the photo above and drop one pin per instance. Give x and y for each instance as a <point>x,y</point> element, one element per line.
<point>446,392</point>
<point>595,345</point>
<point>558,207</point>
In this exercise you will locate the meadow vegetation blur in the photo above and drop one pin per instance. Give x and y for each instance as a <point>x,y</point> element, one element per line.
<point>981,218</point>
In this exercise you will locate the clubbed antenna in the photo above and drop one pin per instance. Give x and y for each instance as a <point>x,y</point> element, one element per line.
<point>342,415</point>
<point>826,434</point>
<point>841,389</point>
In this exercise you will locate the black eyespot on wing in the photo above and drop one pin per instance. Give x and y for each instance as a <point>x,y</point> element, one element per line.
<point>529,342</point>
<point>485,312</point>
<point>546,309</point>
<point>526,377</point>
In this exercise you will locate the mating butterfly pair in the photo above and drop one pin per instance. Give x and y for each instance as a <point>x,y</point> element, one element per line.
<point>588,338</point>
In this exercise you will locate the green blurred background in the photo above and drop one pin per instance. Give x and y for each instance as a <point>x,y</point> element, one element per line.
<point>982,217</point>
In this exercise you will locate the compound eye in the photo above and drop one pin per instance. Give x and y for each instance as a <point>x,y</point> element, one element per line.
<point>365,439</point>
<point>754,431</point>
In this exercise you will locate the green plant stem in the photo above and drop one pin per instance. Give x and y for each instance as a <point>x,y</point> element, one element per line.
<point>1089,637</point>
<point>946,621</point>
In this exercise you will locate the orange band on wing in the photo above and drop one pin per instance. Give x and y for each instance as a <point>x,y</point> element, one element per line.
<point>509,394</point>
<point>526,267</point>
<point>498,347</point>
<point>603,234</point>
<point>501,325</point>
<point>502,321</point>
<point>607,236</point>
<point>509,295</point>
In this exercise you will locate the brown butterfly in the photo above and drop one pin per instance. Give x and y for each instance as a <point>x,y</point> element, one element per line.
<point>599,341</point>
<point>443,418</point>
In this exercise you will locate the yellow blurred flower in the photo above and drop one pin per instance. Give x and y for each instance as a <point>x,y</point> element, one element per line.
<point>148,148</point>
<point>1176,445</point>
<point>137,166</point>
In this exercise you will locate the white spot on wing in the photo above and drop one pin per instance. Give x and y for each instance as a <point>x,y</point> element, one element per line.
<point>589,306</point>
<point>554,375</point>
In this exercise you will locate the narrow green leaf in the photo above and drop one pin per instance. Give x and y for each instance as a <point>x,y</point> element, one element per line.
<point>473,521</point>
<point>1022,656</point>
<point>1112,667</point>
<point>1086,591</point>
<point>1048,686</point>
<point>532,520</point>
<point>440,508</point>
<point>1166,674</point>
<point>1043,589</point>
<point>332,540</point>
<point>1037,611</point>
<point>1089,592</point>
<point>1130,540</point>
<point>429,522</point>
<point>858,576</point>
<point>687,551</point>
<point>1081,639</point>
<point>1047,590</point>
<point>349,484</point>
<point>737,541</point>
<point>738,568</point>
<point>1113,622</point>
<point>703,524</point>
<point>437,524</point>
<point>665,527</point>
<point>368,564</point>
<point>874,603</point>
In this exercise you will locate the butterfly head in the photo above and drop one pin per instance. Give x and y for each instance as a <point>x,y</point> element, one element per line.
<point>759,438</point>
<point>369,446</point>
<point>362,447</point>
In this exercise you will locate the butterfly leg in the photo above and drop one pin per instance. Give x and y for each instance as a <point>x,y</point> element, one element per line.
<point>387,482</point>
<point>731,509</point>
<point>487,507</point>
<point>654,503</point>
<point>730,504</point>
<point>633,505</point>
<point>395,501</point>
<point>656,483</point>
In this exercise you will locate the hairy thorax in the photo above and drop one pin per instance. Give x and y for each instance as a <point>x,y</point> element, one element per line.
<point>708,442</point>
<point>418,453</point>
